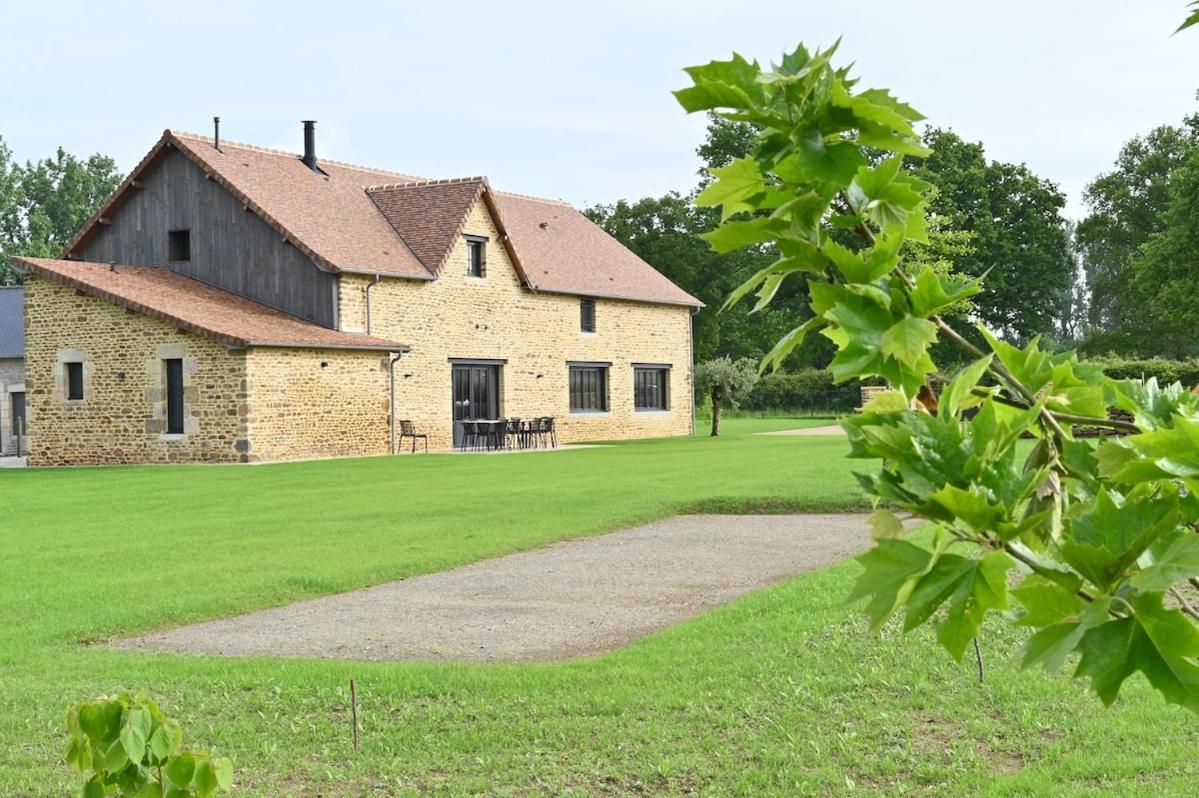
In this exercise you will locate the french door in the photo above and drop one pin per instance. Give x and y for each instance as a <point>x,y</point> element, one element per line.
<point>476,392</point>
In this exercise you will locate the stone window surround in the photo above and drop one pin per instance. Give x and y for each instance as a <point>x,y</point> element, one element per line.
<point>156,393</point>
<point>66,356</point>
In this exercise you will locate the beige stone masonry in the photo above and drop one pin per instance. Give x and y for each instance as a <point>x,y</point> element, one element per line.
<point>537,334</point>
<point>122,416</point>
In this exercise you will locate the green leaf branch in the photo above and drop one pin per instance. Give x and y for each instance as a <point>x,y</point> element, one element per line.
<point>1101,531</point>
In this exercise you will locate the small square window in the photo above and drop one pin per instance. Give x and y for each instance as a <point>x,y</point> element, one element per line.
<point>74,377</point>
<point>476,256</point>
<point>179,245</point>
<point>587,315</point>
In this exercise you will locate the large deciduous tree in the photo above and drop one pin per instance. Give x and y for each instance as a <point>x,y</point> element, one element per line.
<point>44,203</point>
<point>1168,270</point>
<point>1019,238</point>
<point>1126,206</point>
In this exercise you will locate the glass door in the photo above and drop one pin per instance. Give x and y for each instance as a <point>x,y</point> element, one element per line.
<point>476,395</point>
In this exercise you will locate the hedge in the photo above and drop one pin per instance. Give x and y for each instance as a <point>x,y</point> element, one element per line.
<point>1166,371</point>
<point>810,389</point>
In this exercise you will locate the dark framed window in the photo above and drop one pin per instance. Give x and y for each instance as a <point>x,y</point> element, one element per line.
<point>174,378</point>
<point>588,388</point>
<point>17,399</point>
<point>587,315</point>
<point>179,245</point>
<point>650,386</point>
<point>476,256</point>
<point>74,378</point>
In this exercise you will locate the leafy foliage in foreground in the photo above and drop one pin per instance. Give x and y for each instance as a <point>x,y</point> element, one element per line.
<point>127,747</point>
<point>1103,534</point>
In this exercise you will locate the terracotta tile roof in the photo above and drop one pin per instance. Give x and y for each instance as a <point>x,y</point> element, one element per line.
<point>562,251</point>
<point>429,215</point>
<point>198,307</point>
<point>356,219</point>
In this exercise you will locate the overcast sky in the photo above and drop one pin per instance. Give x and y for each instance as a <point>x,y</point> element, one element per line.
<point>571,100</point>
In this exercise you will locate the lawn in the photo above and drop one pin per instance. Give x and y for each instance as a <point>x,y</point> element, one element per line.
<point>782,692</point>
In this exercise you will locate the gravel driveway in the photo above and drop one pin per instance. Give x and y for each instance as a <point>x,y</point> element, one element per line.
<point>566,600</point>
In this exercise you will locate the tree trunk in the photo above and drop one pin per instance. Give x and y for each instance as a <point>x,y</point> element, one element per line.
<point>715,415</point>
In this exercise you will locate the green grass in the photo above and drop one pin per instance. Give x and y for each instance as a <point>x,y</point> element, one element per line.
<point>782,692</point>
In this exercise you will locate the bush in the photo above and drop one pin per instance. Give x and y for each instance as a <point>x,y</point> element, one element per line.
<point>809,390</point>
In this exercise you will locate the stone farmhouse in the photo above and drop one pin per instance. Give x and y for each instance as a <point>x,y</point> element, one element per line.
<point>235,304</point>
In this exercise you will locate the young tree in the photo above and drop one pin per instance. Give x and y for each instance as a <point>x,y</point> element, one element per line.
<point>1103,533</point>
<point>726,382</point>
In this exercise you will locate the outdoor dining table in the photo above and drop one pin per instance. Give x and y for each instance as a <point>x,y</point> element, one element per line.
<point>493,432</point>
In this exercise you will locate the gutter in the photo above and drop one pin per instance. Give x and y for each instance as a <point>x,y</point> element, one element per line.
<point>391,405</point>
<point>691,360</point>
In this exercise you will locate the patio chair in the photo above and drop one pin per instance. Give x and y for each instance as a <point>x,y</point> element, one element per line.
<point>513,434</point>
<point>408,430</point>
<point>551,430</point>
<point>471,436</point>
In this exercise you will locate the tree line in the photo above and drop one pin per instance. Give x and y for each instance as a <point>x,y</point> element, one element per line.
<point>44,203</point>
<point>1122,281</point>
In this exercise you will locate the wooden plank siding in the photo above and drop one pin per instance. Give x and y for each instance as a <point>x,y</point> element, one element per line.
<point>231,247</point>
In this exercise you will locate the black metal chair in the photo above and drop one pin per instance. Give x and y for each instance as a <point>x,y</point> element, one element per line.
<point>470,435</point>
<point>543,432</point>
<point>408,430</point>
<point>513,433</point>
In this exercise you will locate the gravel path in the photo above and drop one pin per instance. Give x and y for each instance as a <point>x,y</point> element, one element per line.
<point>831,429</point>
<point>566,600</point>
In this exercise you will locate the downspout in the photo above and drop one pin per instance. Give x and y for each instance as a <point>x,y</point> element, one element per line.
<point>369,286</point>
<point>391,405</point>
<point>691,349</point>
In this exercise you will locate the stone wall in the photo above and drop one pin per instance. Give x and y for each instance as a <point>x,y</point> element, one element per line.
<point>308,403</point>
<point>122,416</point>
<point>12,379</point>
<point>493,317</point>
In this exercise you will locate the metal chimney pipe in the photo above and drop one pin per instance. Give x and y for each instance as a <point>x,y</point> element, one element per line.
<point>216,133</point>
<point>310,145</point>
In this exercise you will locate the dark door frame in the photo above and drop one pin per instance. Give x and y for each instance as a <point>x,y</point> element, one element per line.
<point>484,374</point>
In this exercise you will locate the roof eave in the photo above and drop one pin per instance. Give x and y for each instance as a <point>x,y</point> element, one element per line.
<point>694,303</point>
<point>383,347</point>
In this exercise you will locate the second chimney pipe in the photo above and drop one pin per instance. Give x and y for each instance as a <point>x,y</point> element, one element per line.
<point>216,133</point>
<point>310,145</point>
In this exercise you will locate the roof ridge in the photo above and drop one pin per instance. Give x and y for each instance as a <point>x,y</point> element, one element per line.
<point>546,200</point>
<point>287,154</point>
<point>445,181</point>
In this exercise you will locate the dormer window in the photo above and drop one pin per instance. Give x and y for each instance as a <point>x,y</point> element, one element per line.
<point>476,256</point>
<point>179,245</point>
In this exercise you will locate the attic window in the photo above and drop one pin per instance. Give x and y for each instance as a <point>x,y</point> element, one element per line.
<point>476,256</point>
<point>587,315</point>
<point>179,245</point>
